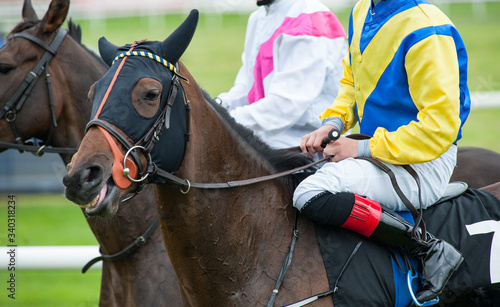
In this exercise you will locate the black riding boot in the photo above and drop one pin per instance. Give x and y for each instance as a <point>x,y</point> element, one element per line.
<point>438,259</point>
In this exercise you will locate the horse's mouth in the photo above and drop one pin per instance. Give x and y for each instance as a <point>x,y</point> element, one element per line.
<point>106,197</point>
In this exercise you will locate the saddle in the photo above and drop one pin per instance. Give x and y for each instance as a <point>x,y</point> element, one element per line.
<point>403,280</point>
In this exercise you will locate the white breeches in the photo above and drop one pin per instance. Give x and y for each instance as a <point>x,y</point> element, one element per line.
<point>363,178</point>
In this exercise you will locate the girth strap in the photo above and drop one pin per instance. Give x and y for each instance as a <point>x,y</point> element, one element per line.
<point>286,262</point>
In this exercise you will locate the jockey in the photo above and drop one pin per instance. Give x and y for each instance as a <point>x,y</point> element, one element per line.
<point>405,82</point>
<point>292,65</point>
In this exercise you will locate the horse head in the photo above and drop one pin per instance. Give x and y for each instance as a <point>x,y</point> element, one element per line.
<point>39,98</point>
<point>139,121</point>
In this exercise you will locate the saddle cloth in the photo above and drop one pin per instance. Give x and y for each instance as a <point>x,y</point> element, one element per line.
<point>374,277</point>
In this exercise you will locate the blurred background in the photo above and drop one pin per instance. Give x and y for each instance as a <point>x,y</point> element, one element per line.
<point>45,218</point>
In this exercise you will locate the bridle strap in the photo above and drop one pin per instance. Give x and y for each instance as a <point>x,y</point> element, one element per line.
<point>108,128</point>
<point>38,150</point>
<point>163,121</point>
<point>15,103</point>
<point>131,248</point>
<point>17,100</point>
<point>52,48</point>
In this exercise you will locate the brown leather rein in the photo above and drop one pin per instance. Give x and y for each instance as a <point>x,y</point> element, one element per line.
<point>185,183</point>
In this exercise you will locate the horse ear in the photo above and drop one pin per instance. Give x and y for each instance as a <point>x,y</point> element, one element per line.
<point>55,16</point>
<point>175,45</point>
<point>107,50</point>
<point>29,13</point>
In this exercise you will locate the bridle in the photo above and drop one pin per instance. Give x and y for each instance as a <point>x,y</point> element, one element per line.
<point>125,169</point>
<point>16,102</point>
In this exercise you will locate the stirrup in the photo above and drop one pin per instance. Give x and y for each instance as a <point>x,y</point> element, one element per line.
<point>410,278</point>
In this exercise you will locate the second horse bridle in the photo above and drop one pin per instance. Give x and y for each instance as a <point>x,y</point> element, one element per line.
<point>16,102</point>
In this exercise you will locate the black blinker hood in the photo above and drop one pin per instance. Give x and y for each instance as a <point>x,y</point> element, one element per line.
<point>118,109</point>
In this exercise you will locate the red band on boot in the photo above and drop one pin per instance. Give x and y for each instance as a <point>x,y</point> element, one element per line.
<point>364,216</point>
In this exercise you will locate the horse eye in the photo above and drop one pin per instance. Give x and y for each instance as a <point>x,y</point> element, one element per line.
<point>151,95</point>
<point>6,69</point>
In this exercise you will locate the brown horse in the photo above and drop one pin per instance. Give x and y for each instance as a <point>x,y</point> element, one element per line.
<point>227,241</point>
<point>145,277</point>
<point>476,166</point>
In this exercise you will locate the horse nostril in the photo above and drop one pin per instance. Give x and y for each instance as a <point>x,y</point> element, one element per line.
<point>94,175</point>
<point>86,178</point>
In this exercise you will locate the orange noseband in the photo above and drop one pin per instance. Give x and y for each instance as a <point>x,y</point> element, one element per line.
<point>119,178</point>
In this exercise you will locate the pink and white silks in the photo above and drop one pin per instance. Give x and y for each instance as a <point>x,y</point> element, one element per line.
<point>292,65</point>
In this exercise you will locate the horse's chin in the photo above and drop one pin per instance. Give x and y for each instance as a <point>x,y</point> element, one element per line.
<point>106,203</point>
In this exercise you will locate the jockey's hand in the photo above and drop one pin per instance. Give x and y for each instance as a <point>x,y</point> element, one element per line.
<point>311,143</point>
<point>341,149</point>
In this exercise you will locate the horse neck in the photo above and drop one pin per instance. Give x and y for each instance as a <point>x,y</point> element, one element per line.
<point>126,282</point>
<point>143,278</point>
<point>76,70</point>
<point>219,240</point>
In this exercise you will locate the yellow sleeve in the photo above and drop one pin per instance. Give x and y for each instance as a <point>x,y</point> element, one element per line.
<point>433,78</point>
<point>343,105</point>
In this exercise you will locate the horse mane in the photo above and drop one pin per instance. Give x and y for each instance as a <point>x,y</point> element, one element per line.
<point>280,159</point>
<point>75,31</point>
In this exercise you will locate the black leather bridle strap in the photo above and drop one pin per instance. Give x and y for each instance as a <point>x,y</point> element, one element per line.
<point>17,100</point>
<point>52,48</point>
<point>15,103</point>
<point>163,121</point>
<point>38,150</point>
<point>134,246</point>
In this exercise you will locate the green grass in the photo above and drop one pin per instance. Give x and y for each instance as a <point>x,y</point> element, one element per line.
<point>55,288</point>
<point>214,59</point>
<point>481,37</point>
<point>482,129</point>
<point>48,219</point>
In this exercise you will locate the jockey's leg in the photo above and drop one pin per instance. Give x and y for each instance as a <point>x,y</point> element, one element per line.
<point>439,259</point>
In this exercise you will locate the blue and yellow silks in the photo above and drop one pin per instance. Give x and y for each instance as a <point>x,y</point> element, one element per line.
<point>405,80</point>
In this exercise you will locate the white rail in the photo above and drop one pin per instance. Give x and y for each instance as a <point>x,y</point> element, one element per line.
<point>48,257</point>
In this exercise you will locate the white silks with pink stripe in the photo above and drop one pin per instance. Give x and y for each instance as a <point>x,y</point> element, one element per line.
<point>292,65</point>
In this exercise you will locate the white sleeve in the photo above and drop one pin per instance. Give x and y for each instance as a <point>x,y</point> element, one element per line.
<point>237,95</point>
<point>300,68</point>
